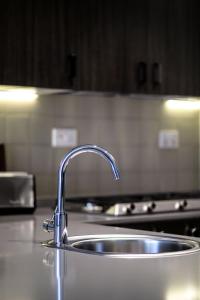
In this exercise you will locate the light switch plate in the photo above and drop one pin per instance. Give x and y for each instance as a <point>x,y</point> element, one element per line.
<point>64,137</point>
<point>168,139</point>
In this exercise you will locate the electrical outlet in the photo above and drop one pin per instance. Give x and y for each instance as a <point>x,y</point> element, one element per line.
<point>64,137</point>
<point>168,139</point>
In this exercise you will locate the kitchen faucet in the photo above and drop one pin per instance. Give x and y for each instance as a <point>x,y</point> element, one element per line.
<point>58,224</point>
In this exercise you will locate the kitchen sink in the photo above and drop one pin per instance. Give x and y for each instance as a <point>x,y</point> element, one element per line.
<point>130,245</point>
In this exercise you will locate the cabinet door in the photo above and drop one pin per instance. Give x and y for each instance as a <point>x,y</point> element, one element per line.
<point>157,46</point>
<point>34,48</point>
<point>192,46</point>
<point>97,39</point>
<point>136,43</point>
<point>164,36</point>
<point>50,44</point>
<point>174,45</point>
<point>177,38</point>
<point>14,50</point>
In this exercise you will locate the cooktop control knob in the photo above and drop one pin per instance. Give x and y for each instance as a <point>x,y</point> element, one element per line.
<point>192,230</point>
<point>149,207</point>
<point>130,209</point>
<point>181,205</point>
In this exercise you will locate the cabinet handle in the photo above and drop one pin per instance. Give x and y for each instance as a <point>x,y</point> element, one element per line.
<point>141,73</point>
<point>156,74</point>
<point>72,68</point>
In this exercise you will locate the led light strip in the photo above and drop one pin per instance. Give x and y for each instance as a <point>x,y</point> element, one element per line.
<point>18,95</point>
<point>183,104</point>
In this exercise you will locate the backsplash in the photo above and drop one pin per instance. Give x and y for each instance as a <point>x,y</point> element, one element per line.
<point>128,127</point>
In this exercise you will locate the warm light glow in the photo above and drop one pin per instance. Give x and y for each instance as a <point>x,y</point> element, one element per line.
<point>183,104</point>
<point>18,95</point>
<point>189,293</point>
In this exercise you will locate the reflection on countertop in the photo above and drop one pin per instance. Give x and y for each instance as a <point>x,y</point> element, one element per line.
<point>56,262</point>
<point>32,271</point>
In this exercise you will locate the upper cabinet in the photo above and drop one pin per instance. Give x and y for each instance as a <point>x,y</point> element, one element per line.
<point>97,41</point>
<point>14,50</point>
<point>33,48</point>
<point>162,46</point>
<point>183,47</point>
<point>136,46</point>
<point>49,42</point>
<point>145,46</point>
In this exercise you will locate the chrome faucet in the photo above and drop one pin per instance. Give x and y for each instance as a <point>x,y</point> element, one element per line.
<point>58,224</point>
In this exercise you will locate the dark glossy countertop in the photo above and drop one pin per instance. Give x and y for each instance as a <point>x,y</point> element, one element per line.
<point>27,269</point>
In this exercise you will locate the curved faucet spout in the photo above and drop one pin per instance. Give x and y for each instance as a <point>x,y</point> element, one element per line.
<point>74,152</point>
<point>59,220</point>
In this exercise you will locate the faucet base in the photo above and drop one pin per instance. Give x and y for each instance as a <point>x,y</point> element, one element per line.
<point>60,228</point>
<point>52,244</point>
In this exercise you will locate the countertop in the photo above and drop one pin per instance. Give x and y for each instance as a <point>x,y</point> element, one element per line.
<point>28,269</point>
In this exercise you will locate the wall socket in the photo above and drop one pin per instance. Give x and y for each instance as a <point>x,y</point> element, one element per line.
<point>64,137</point>
<point>168,139</point>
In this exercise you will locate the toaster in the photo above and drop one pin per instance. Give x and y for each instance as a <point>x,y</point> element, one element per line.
<point>17,193</point>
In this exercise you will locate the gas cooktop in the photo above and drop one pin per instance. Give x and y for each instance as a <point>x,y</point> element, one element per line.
<point>137,204</point>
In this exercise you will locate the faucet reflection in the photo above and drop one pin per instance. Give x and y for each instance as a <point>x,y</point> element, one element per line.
<point>58,224</point>
<point>56,259</point>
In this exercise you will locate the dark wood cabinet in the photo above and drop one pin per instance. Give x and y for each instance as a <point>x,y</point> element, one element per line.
<point>178,44</point>
<point>14,44</point>
<point>162,42</point>
<point>146,46</point>
<point>157,46</point>
<point>136,46</point>
<point>183,47</point>
<point>50,49</point>
<point>97,40</point>
<point>33,48</point>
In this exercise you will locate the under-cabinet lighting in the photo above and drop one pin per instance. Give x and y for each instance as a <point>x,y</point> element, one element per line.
<point>188,293</point>
<point>183,104</point>
<point>18,95</point>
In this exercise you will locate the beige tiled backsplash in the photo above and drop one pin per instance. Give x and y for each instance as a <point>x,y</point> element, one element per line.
<point>127,126</point>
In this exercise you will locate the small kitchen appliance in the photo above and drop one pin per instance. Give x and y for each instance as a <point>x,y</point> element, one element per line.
<point>17,193</point>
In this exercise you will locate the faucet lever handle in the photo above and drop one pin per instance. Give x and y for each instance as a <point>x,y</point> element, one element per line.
<point>48,225</point>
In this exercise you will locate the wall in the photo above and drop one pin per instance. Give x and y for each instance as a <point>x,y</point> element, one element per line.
<point>127,126</point>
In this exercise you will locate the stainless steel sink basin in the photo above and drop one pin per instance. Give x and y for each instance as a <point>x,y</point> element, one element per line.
<point>130,245</point>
